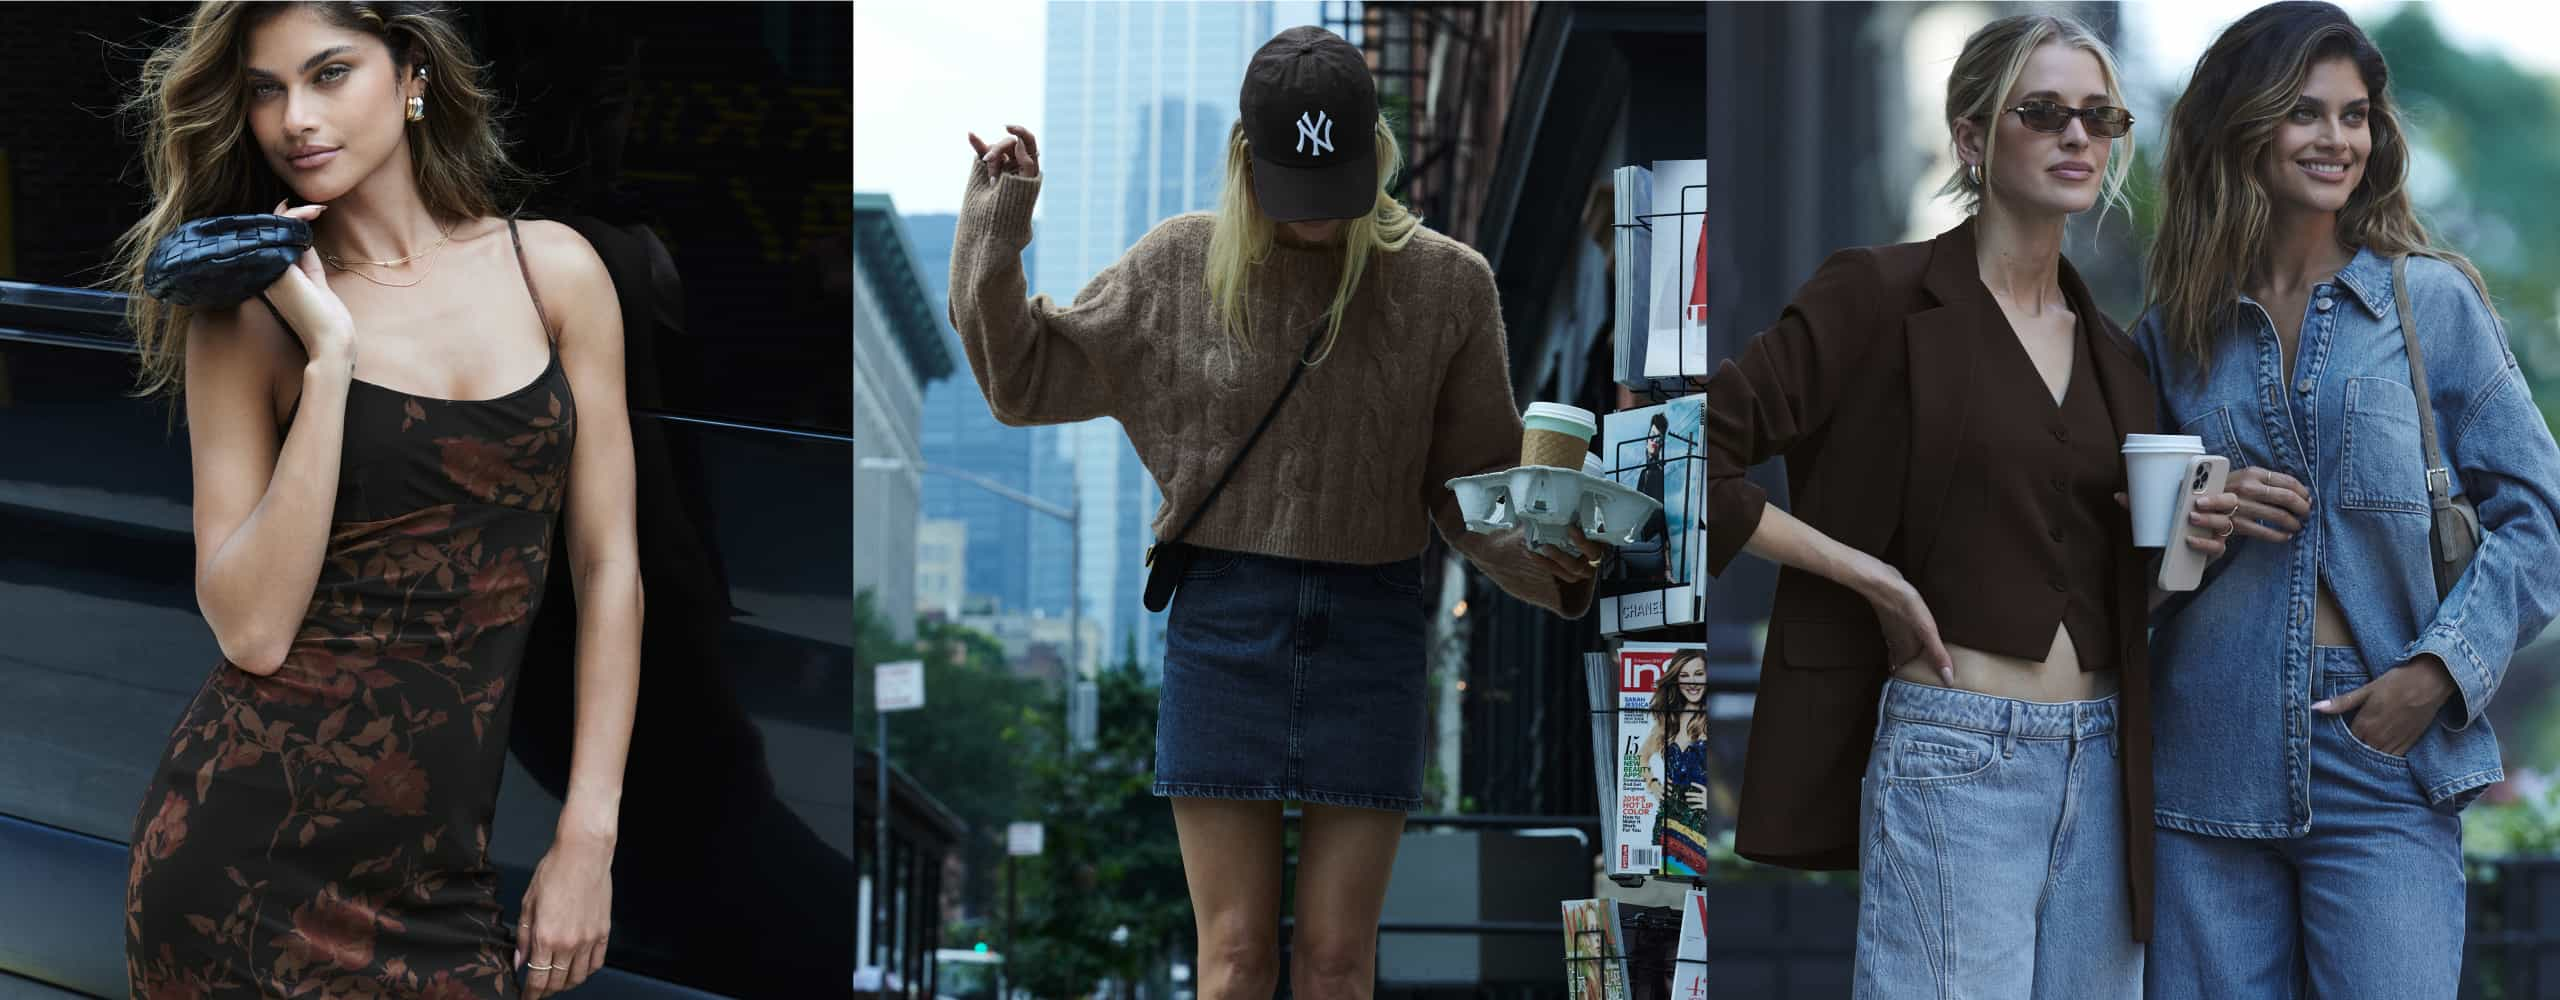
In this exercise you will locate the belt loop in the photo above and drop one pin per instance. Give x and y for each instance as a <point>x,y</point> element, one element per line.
<point>2009,734</point>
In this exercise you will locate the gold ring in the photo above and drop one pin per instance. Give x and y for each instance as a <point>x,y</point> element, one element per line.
<point>543,968</point>
<point>2228,529</point>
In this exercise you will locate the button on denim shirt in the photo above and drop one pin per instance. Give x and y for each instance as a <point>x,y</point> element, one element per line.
<point>2232,660</point>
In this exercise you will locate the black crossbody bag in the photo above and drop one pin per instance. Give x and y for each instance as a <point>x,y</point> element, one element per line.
<point>1168,559</point>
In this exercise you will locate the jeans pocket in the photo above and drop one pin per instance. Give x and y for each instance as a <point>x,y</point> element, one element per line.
<point>1403,577</point>
<point>1211,563</point>
<point>1936,756</point>
<point>2348,731</point>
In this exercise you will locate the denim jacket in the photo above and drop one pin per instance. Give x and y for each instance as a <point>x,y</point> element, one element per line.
<point>2233,692</point>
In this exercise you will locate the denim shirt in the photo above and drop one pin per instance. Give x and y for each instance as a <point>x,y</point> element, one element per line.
<point>2232,661</point>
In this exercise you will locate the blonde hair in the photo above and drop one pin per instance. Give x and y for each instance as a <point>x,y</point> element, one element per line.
<point>191,105</point>
<point>1242,238</point>
<point>1978,89</point>
<point>2215,214</point>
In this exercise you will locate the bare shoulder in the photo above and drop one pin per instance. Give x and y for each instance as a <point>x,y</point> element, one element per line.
<point>237,347</point>
<point>566,270</point>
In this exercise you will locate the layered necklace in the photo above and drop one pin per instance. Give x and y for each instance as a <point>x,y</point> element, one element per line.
<point>350,265</point>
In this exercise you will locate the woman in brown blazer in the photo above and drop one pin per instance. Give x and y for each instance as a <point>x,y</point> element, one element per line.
<point>1953,695</point>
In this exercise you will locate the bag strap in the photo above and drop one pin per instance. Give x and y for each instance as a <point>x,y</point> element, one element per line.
<point>1296,371</point>
<point>2439,478</point>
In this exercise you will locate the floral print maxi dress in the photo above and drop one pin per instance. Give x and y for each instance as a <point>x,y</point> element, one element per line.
<point>324,831</point>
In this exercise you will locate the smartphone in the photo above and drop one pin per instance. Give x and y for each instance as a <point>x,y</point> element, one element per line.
<point>2181,566</point>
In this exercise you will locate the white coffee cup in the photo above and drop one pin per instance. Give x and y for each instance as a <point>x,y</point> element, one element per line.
<point>2155,468</point>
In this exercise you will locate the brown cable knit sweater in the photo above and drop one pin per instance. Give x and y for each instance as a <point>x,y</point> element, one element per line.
<point>1416,392</point>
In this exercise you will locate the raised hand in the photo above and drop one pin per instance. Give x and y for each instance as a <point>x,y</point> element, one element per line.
<point>1016,153</point>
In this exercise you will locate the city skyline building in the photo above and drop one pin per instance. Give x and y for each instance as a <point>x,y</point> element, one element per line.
<point>961,433</point>
<point>1129,143</point>
<point>897,352</point>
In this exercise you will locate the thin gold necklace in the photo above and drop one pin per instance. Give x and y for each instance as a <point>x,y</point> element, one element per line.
<point>342,264</point>
<point>422,276</point>
<point>349,266</point>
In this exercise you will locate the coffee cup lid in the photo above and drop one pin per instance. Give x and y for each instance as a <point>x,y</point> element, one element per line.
<point>2139,444</point>
<point>1565,412</point>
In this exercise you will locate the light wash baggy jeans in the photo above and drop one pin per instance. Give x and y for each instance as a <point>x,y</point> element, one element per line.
<point>1991,853</point>
<point>2366,906</point>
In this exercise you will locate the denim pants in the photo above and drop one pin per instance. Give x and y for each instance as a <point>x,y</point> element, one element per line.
<point>2369,904</point>
<point>1992,851</point>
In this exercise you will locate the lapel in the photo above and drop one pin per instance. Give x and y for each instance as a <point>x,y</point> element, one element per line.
<point>2131,402</point>
<point>1943,360</point>
<point>2132,406</point>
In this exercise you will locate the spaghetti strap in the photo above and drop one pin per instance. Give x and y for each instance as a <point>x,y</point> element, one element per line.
<point>512,237</point>
<point>280,320</point>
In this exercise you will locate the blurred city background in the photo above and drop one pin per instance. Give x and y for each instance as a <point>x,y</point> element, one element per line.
<point>1008,559</point>
<point>1839,140</point>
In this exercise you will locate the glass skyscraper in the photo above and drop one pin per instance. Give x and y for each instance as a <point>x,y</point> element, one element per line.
<point>961,433</point>
<point>1140,98</point>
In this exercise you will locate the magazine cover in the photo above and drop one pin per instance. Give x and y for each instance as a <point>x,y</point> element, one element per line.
<point>1676,341</point>
<point>1653,581</point>
<point>1631,192</point>
<point>1689,973</point>
<point>1600,676</point>
<point>1595,964</point>
<point>1662,735</point>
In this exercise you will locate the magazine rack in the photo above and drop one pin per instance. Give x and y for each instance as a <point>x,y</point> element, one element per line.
<point>1609,717</point>
<point>1641,915</point>
<point>1681,454</point>
<point>1682,448</point>
<point>1663,388</point>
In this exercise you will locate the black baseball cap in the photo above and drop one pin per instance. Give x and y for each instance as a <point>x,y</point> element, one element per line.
<point>1310,110</point>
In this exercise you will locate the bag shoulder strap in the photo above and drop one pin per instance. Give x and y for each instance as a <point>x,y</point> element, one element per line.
<point>1297,370</point>
<point>2439,478</point>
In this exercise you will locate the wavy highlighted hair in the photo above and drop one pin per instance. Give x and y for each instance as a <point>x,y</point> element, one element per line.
<point>190,107</point>
<point>1242,237</point>
<point>2215,214</point>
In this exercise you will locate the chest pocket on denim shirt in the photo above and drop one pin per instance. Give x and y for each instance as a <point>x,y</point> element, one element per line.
<point>2214,427</point>
<point>2381,465</point>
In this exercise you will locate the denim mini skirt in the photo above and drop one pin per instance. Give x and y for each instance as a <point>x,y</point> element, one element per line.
<point>1294,679</point>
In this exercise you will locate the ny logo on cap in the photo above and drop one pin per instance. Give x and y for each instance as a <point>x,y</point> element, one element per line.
<point>1318,131</point>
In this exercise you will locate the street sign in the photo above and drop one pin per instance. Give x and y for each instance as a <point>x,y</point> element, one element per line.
<point>1084,702</point>
<point>898,686</point>
<point>1022,839</point>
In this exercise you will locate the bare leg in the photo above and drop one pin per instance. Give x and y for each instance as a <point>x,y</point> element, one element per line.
<point>1344,857</point>
<point>1231,860</point>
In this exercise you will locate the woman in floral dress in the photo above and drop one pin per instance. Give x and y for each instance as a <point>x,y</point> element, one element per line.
<point>369,558</point>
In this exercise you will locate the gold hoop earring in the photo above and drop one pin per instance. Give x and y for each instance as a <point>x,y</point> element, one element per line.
<point>1976,170</point>
<point>418,104</point>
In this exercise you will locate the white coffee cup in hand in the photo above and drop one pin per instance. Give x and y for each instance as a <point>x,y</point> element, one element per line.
<point>301,294</point>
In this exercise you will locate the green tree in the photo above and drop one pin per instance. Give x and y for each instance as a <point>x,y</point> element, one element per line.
<point>2483,177</point>
<point>956,746</point>
<point>1110,859</point>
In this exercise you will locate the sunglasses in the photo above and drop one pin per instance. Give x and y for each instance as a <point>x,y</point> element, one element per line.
<point>2105,122</point>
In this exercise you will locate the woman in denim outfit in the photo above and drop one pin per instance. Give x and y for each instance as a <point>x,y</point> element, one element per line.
<point>2309,776</point>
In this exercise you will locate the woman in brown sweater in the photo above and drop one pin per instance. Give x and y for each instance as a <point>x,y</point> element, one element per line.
<point>1294,664</point>
<point>1955,697</point>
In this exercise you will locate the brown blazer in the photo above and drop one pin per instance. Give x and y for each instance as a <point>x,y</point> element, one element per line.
<point>1864,385</point>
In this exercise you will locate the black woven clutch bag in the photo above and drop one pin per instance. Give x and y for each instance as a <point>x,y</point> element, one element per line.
<point>223,260</point>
